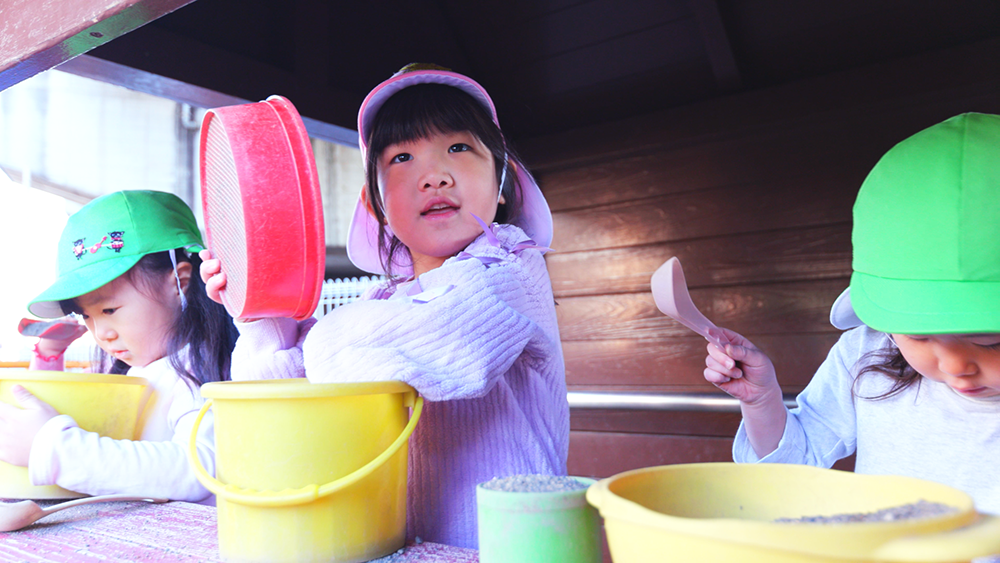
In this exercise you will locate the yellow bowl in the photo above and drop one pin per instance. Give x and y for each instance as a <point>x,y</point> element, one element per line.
<point>111,405</point>
<point>724,512</point>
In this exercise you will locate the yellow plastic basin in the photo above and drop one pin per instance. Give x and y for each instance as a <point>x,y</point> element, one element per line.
<point>309,472</point>
<point>724,512</point>
<point>110,405</point>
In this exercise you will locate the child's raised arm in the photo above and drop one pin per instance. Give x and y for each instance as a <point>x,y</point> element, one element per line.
<point>454,344</point>
<point>746,373</point>
<point>267,348</point>
<point>54,337</point>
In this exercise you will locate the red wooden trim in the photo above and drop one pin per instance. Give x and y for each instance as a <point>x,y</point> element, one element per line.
<point>57,35</point>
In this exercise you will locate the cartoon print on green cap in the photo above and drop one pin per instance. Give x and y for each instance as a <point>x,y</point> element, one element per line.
<point>927,232</point>
<point>116,244</point>
<point>116,241</point>
<point>123,227</point>
<point>79,250</point>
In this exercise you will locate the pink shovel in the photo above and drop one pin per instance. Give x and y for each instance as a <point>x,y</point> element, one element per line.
<point>671,295</point>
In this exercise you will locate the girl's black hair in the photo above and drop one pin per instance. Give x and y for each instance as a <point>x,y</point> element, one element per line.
<point>422,110</point>
<point>889,361</point>
<point>203,326</point>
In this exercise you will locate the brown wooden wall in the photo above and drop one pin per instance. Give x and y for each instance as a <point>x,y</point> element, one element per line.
<point>753,193</point>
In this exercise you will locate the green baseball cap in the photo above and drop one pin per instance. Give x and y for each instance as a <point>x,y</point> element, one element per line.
<point>927,232</point>
<point>105,238</point>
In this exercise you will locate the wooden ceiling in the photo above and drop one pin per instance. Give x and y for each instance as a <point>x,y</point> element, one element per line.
<point>551,65</point>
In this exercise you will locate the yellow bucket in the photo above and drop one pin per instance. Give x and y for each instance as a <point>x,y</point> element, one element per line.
<point>309,472</point>
<point>725,512</point>
<point>110,405</point>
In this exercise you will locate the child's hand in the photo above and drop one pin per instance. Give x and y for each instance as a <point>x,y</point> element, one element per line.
<point>214,278</point>
<point>741,370</point>
<point>212,275</point>
<point>18,426</point>
<point>55,336</point>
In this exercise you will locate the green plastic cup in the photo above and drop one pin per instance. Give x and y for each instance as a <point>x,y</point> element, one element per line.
<point>538,527</point>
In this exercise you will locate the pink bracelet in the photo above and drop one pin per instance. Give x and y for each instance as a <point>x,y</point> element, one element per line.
<point>47,358</point>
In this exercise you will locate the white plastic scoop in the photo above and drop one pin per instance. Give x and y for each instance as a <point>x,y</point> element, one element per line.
<point>17,515</point>
<point>671,295</point>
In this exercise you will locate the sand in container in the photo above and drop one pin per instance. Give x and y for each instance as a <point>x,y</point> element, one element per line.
<point>537,519</point>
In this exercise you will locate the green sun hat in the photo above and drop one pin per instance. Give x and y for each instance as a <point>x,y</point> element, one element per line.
<point>927,232</point>
<point>105,238</point>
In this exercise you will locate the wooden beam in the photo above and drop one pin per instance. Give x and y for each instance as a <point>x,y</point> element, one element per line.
<point>46,185</point>
<point>35,35</point>
<point>170,55</point>
<point>182,92</point>
<point>720,52</point>
<point>96,68</point>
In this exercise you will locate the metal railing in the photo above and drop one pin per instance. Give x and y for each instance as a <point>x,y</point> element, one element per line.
<point>697,402</point>
<point>343,291</point>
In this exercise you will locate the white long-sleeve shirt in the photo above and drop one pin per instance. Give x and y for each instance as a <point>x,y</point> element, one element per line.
<point>63,454</point>
<point>927,431</point>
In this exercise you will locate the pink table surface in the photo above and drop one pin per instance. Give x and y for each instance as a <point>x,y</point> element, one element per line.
<point>136,531</point>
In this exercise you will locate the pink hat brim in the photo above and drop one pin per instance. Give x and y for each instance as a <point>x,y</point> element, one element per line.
<point>377,97</point>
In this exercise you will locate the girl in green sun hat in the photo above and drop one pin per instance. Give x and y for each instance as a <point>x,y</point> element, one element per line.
<point>124,266</point>
<point>913,387</point>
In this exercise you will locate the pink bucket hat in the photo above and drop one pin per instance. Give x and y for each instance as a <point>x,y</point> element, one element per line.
<point>362,236</point>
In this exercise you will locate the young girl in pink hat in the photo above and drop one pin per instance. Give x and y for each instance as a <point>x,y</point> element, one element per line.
<point>466,316</point>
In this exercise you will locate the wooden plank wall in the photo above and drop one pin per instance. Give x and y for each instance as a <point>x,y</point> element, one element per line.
<point>753,192</point>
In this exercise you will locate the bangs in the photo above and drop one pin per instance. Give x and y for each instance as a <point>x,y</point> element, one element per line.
<point>70,306</point>
<point>421,111</point>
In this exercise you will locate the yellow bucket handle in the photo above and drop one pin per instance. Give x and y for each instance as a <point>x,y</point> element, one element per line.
<point>292,497</point>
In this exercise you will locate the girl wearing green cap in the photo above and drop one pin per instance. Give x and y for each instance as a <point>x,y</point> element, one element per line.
<point>123,266</point>
<point>913,388</point>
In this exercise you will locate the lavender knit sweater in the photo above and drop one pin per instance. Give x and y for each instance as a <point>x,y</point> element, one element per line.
<point>478,339</point>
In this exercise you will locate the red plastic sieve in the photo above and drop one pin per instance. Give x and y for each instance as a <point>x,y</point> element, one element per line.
<point>263,210</point>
